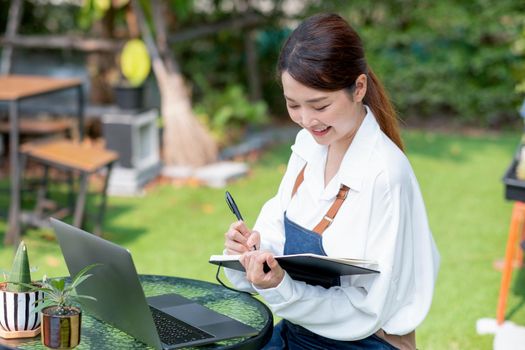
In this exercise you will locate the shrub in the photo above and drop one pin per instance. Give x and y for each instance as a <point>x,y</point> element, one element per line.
<point>228,111</point>
<point>444,57</point>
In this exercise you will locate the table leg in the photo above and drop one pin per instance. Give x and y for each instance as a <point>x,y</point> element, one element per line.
<point>41,196</point>
<point>81,200</point>
<point>13,227</point>
<point>103,202</point>
<point>80,111</point>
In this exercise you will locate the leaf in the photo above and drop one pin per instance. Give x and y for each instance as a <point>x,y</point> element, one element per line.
<point>58,284</point>
<point>79,276</point>
<point>43,305</point>
<point>31,287</point>
<point>81,296</point>
<point>79,280</point>
<point>20,271</point>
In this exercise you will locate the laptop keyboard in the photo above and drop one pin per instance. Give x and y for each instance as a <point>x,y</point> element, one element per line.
<point>173,331</point>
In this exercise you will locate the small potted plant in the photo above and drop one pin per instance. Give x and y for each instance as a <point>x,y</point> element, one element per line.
<point>61,318</point>
<point>18,315</point>
<point>135,65</point>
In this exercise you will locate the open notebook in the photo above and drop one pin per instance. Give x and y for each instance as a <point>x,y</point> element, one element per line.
<point>310,268</point>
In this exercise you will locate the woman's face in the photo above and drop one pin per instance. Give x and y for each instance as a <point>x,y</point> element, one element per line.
<point>332,117</point>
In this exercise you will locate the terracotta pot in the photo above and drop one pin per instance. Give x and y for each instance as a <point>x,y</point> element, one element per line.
<point>16,310</point>
<point>61,331</point>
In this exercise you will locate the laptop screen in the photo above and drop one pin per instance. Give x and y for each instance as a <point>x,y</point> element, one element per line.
<point>115,284</point>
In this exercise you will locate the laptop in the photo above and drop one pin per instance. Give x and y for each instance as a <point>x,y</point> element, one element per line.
<point>167,321</point>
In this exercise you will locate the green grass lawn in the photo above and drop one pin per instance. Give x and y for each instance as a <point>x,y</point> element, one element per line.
<point>173,231</point>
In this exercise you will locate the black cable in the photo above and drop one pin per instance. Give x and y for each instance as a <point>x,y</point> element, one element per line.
<point>228,287</point>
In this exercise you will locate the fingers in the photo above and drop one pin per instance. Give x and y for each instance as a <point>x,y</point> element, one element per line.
<point>241,227</point>
<point>236,238</point>
<point>254,263</point>
<point>254,240</point>
<point>272,263</point>
<point>233,248</point>
<point>245,261</point>
<point>235,235</point>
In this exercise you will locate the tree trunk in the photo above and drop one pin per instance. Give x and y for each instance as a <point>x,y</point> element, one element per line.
<point>252,71</point>
<point>15,14</point>
<point>186,141</point>
<point>101,66</point>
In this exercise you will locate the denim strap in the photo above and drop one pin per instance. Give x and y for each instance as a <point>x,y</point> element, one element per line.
<point>332,212</point>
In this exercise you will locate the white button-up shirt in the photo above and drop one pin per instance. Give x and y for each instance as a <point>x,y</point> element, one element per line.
<point>382,219</point>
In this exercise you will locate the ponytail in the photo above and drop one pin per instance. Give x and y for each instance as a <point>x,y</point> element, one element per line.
<point>377,99</point>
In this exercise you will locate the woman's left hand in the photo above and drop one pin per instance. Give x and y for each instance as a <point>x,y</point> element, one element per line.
<point>254,262</point>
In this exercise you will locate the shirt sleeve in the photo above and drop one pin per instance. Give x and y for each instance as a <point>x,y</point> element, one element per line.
<point>270,222</point>
<point>361,308</point>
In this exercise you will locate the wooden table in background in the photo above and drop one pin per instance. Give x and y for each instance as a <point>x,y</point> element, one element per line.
<point>13,90</point>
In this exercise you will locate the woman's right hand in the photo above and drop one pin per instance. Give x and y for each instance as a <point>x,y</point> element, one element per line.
<point>239,239</point>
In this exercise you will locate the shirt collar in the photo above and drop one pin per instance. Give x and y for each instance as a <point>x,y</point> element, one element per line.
<point>354,164</point>
<point>307,148</point>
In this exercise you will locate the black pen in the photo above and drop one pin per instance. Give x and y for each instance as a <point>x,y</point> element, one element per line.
<point>235,209</point>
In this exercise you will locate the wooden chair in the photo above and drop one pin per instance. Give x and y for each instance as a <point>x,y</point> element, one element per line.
<point>34,128</point>
<point>74,158</point>
<point>40,127</point>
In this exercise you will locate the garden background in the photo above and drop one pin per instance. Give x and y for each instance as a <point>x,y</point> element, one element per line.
<point>453,70</point>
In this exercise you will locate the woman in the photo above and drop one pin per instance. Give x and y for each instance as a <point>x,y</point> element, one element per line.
<point>348,191</point>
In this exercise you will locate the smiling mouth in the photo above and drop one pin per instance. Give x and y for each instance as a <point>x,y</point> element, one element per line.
<point>320,132</point>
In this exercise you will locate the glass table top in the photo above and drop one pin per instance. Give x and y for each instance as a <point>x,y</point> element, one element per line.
<point>240,306</point>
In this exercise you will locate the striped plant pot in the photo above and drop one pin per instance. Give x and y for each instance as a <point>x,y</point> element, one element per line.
<point>61,330</point>
<point>16,310</point>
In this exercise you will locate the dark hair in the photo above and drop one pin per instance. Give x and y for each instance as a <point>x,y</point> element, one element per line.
<point>324,52</point>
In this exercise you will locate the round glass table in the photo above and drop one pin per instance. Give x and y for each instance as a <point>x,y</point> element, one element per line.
<point>240,306</point>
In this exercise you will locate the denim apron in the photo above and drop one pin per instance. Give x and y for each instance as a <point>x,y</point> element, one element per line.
<point>287,335</point>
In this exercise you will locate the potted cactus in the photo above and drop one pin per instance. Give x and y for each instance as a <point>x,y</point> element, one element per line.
<point>18,315</point>
<point>135,65</point>
<point>61,318</point>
